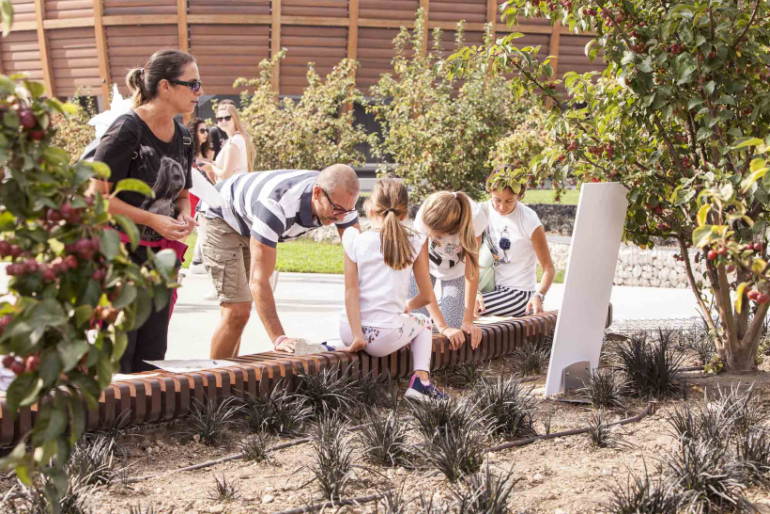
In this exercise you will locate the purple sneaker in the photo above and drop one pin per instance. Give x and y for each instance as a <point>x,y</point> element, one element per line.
<point>423,392</point>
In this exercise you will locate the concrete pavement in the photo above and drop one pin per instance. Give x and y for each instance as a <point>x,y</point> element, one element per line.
<point>309,306</point>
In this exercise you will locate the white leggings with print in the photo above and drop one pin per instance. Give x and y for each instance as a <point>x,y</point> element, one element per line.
<point>415,330</point>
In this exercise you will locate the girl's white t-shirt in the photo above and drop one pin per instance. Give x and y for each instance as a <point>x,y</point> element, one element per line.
<point>234,144</point>
<point>518,264</point>
<point>447,261</point>
<point>383,290</point>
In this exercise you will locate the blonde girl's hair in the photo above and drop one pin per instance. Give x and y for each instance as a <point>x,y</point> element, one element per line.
<point>452,213</point>
<point>251,151</point>
<point>390,200</point>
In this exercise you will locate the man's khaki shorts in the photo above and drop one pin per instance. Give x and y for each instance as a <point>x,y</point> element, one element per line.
<point>227,258</point>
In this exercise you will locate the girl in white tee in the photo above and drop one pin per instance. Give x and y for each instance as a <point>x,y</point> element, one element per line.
<point>517,241</point>
<point>453,225</point>
<point>237,154</point>
<point>378,266</point>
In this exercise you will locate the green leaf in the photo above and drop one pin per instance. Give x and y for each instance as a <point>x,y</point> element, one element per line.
<point>739,293</point>
<point>48,313</point>
<point>101,170</point>
<point>134,185</point>
<point>165,261</point>
<point>126,297</point>
<point>50,366</point>
<point>83,313</point>
<point>23,391</point>
<point>71,353</point>
<point>6,12</point>
<point>109,243</point>
<point>7,221</point>
<point>701,236</point>
<point>129,228</point>
<point>703,214</point>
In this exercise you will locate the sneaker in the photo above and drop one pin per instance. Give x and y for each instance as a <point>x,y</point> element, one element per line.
<point>302,347</point>
<point>420,391</point>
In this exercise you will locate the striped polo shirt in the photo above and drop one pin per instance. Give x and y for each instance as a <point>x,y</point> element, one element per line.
<point>270,206</point>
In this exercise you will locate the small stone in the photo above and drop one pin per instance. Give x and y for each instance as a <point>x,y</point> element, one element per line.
<point>537,477</point>
<point>268,498</point>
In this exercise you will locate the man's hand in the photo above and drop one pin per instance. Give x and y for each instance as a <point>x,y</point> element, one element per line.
<point>285,344</point>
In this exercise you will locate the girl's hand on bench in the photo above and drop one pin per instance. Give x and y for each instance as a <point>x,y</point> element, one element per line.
<point>357,345</point>
<point>455,335</point>
<point>473,331</point>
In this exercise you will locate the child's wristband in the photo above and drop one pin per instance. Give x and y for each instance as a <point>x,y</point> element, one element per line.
<point>279,340</point>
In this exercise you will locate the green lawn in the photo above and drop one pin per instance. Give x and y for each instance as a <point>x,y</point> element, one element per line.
<point>311,257</point>
<point>568,197</point>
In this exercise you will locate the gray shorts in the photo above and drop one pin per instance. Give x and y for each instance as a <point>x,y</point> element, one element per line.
<point>451,301</point>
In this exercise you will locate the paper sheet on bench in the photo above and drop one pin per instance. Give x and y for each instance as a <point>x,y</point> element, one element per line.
<point>203,189</point>
<point>183,366</point>
<point>488,320</point>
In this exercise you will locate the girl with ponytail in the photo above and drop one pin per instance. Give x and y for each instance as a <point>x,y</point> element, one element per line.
<point>378,266</point>
<point>453,225</point>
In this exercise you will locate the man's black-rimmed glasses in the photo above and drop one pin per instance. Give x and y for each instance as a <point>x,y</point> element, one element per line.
<point>337,208</point>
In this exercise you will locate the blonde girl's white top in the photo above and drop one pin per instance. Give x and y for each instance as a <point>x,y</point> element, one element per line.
<point>447,261</point>
<point>517,265</point>
<point>384,291</point>
<point>237,145</point>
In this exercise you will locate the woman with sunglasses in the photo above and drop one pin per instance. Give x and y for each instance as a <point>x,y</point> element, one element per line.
<point>148,144</point>
<point>237,154</point>
<point>516,239</point>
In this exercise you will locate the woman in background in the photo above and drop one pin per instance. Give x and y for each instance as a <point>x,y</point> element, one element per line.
<point>237,154</point>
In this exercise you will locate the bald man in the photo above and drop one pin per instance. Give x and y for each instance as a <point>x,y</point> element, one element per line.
<point>260,210</point>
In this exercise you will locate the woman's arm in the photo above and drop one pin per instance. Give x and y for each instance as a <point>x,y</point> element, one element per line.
<point>164,225</point>
<point>353,305</point>
<point>232,157</point>
<point>469,311</point>
<point>183,205</point>
<point>540,245</point>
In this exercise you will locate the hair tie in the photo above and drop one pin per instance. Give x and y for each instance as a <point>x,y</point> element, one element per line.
<point>389,209</point>
<point>455,194</point>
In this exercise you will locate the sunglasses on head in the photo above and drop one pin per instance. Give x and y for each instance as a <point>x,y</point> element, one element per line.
<point>224,118</point>
<point>194,84</point>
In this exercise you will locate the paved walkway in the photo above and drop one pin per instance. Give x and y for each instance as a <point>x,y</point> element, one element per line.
<point>309,306</point>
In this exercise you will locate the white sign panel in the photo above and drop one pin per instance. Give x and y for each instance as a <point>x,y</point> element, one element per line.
<point>593,254</point>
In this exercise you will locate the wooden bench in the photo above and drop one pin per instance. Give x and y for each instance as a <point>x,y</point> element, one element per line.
<point>161,395</point>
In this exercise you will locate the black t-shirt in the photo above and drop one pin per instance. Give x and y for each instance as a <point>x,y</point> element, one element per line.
<point>131,150</point>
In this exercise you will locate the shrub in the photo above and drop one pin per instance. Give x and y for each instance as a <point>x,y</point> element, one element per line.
<point>457,450</point>
<point>254,447</point>
<point>73,133</point>
<point>484,493</point>
<point>92,460</point>
<point>531,359</point>
<point>508,405</point>
<point>600,433</point>
<point>280,413</point>
<point>209,419</point>
<point>649,367</point>
<point>753,454</point>
<point>419,104</point>
<point>333,455</point>
<point>604,389</point>
<point>438,416</point>
<point>374,390</point>
<point>384,439</point>
<point>643,494</point>
<point>464,375</point>
<point>311,132</point>
<point>330,390</point>
<point>224,490</point>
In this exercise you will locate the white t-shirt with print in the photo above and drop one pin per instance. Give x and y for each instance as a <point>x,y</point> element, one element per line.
<point>446,259</point>
<point>517,266</point>
<point>236,145</point>
<point>383,290</point>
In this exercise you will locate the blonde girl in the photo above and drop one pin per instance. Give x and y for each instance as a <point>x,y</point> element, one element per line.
<point>378,266</point>
<point>453,225</point>
<point>237,154</point>
<point>517,241</point>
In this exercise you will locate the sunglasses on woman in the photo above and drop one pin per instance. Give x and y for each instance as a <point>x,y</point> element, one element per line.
<point>202,131</point>
<point>224,118</point>
<point>194,84</point>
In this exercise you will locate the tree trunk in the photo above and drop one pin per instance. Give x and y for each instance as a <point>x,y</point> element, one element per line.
<point>740,358</point>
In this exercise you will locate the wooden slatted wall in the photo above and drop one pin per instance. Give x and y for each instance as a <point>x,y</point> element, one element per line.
<point>87,45</point>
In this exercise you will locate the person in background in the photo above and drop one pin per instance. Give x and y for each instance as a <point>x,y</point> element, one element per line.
<point>378,265</point>
<point>149,145</point>
<point>516,239</point>
<point>237,154</point>
<point>453,225</point>
<point>202,154</point>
